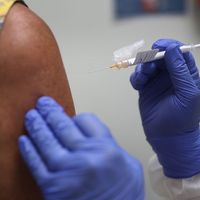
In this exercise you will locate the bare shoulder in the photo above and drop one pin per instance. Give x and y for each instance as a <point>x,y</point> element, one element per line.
<point>26,42</point>
<point>30,60</point>
<point>22,23</point>
<point>27,35</point>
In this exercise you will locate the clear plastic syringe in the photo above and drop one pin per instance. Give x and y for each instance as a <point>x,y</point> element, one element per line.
<point>157,56</point>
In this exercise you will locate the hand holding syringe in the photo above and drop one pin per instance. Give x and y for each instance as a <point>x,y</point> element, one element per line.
<point>148,56</point>
<point>125,58</point>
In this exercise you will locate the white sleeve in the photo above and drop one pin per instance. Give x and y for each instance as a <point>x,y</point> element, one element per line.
<point>173,189</point>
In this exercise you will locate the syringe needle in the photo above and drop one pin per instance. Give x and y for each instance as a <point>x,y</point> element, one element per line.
<point>98,69</point>
<point>143,57</point>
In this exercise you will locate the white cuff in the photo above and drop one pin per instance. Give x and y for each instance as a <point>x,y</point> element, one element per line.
<point>173,189</point>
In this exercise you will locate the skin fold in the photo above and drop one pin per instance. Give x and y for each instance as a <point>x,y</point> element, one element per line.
<point>30,67</point>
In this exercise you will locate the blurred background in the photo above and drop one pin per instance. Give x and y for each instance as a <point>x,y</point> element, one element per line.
<point>89,31</point>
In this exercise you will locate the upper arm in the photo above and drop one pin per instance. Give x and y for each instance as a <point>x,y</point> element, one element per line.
<point>30,59</point>
<point>30,67</point>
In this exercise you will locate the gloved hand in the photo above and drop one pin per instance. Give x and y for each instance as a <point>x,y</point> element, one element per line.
<point>77,158</point>
<point>169,103</point>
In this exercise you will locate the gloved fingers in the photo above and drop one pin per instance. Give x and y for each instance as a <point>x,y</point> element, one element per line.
<point>195,76</point>
<point>48,146</point>
<point>178,71</point>
<point>190,61</point>
<point>91,126</point>
<point>62,125</point>
<point>158,86</point>
<point>32,158</point>
<point>198,83</point>
<point>162,44</point>
<point>137,79</point>
<point>143,73</point>
<point>196,79</point>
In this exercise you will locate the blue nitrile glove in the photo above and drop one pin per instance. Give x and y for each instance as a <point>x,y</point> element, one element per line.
<point>170,108</point>
<point>77,159</point>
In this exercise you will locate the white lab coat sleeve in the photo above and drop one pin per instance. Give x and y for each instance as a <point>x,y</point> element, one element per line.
<point>172,189</point>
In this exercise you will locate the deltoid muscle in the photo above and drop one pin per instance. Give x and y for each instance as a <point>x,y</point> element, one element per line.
<point>5,6</point>
<point>30,67</point>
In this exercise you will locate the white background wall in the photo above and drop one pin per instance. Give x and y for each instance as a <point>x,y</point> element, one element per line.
<point>87,34</point>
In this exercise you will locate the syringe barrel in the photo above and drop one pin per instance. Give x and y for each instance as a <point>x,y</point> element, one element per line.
<point>158,56</point>
<point>184,49</point>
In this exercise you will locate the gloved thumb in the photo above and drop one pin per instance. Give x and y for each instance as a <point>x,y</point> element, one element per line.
<point>178,71</point>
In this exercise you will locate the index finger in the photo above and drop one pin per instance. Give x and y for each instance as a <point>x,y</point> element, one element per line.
<point>163,44</point>
<point>91,126</point>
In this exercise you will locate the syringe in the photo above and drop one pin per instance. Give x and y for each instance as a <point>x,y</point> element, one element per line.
<point>148,56</point>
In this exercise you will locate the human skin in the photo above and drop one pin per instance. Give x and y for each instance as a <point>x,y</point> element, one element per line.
<point>30,67</point>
